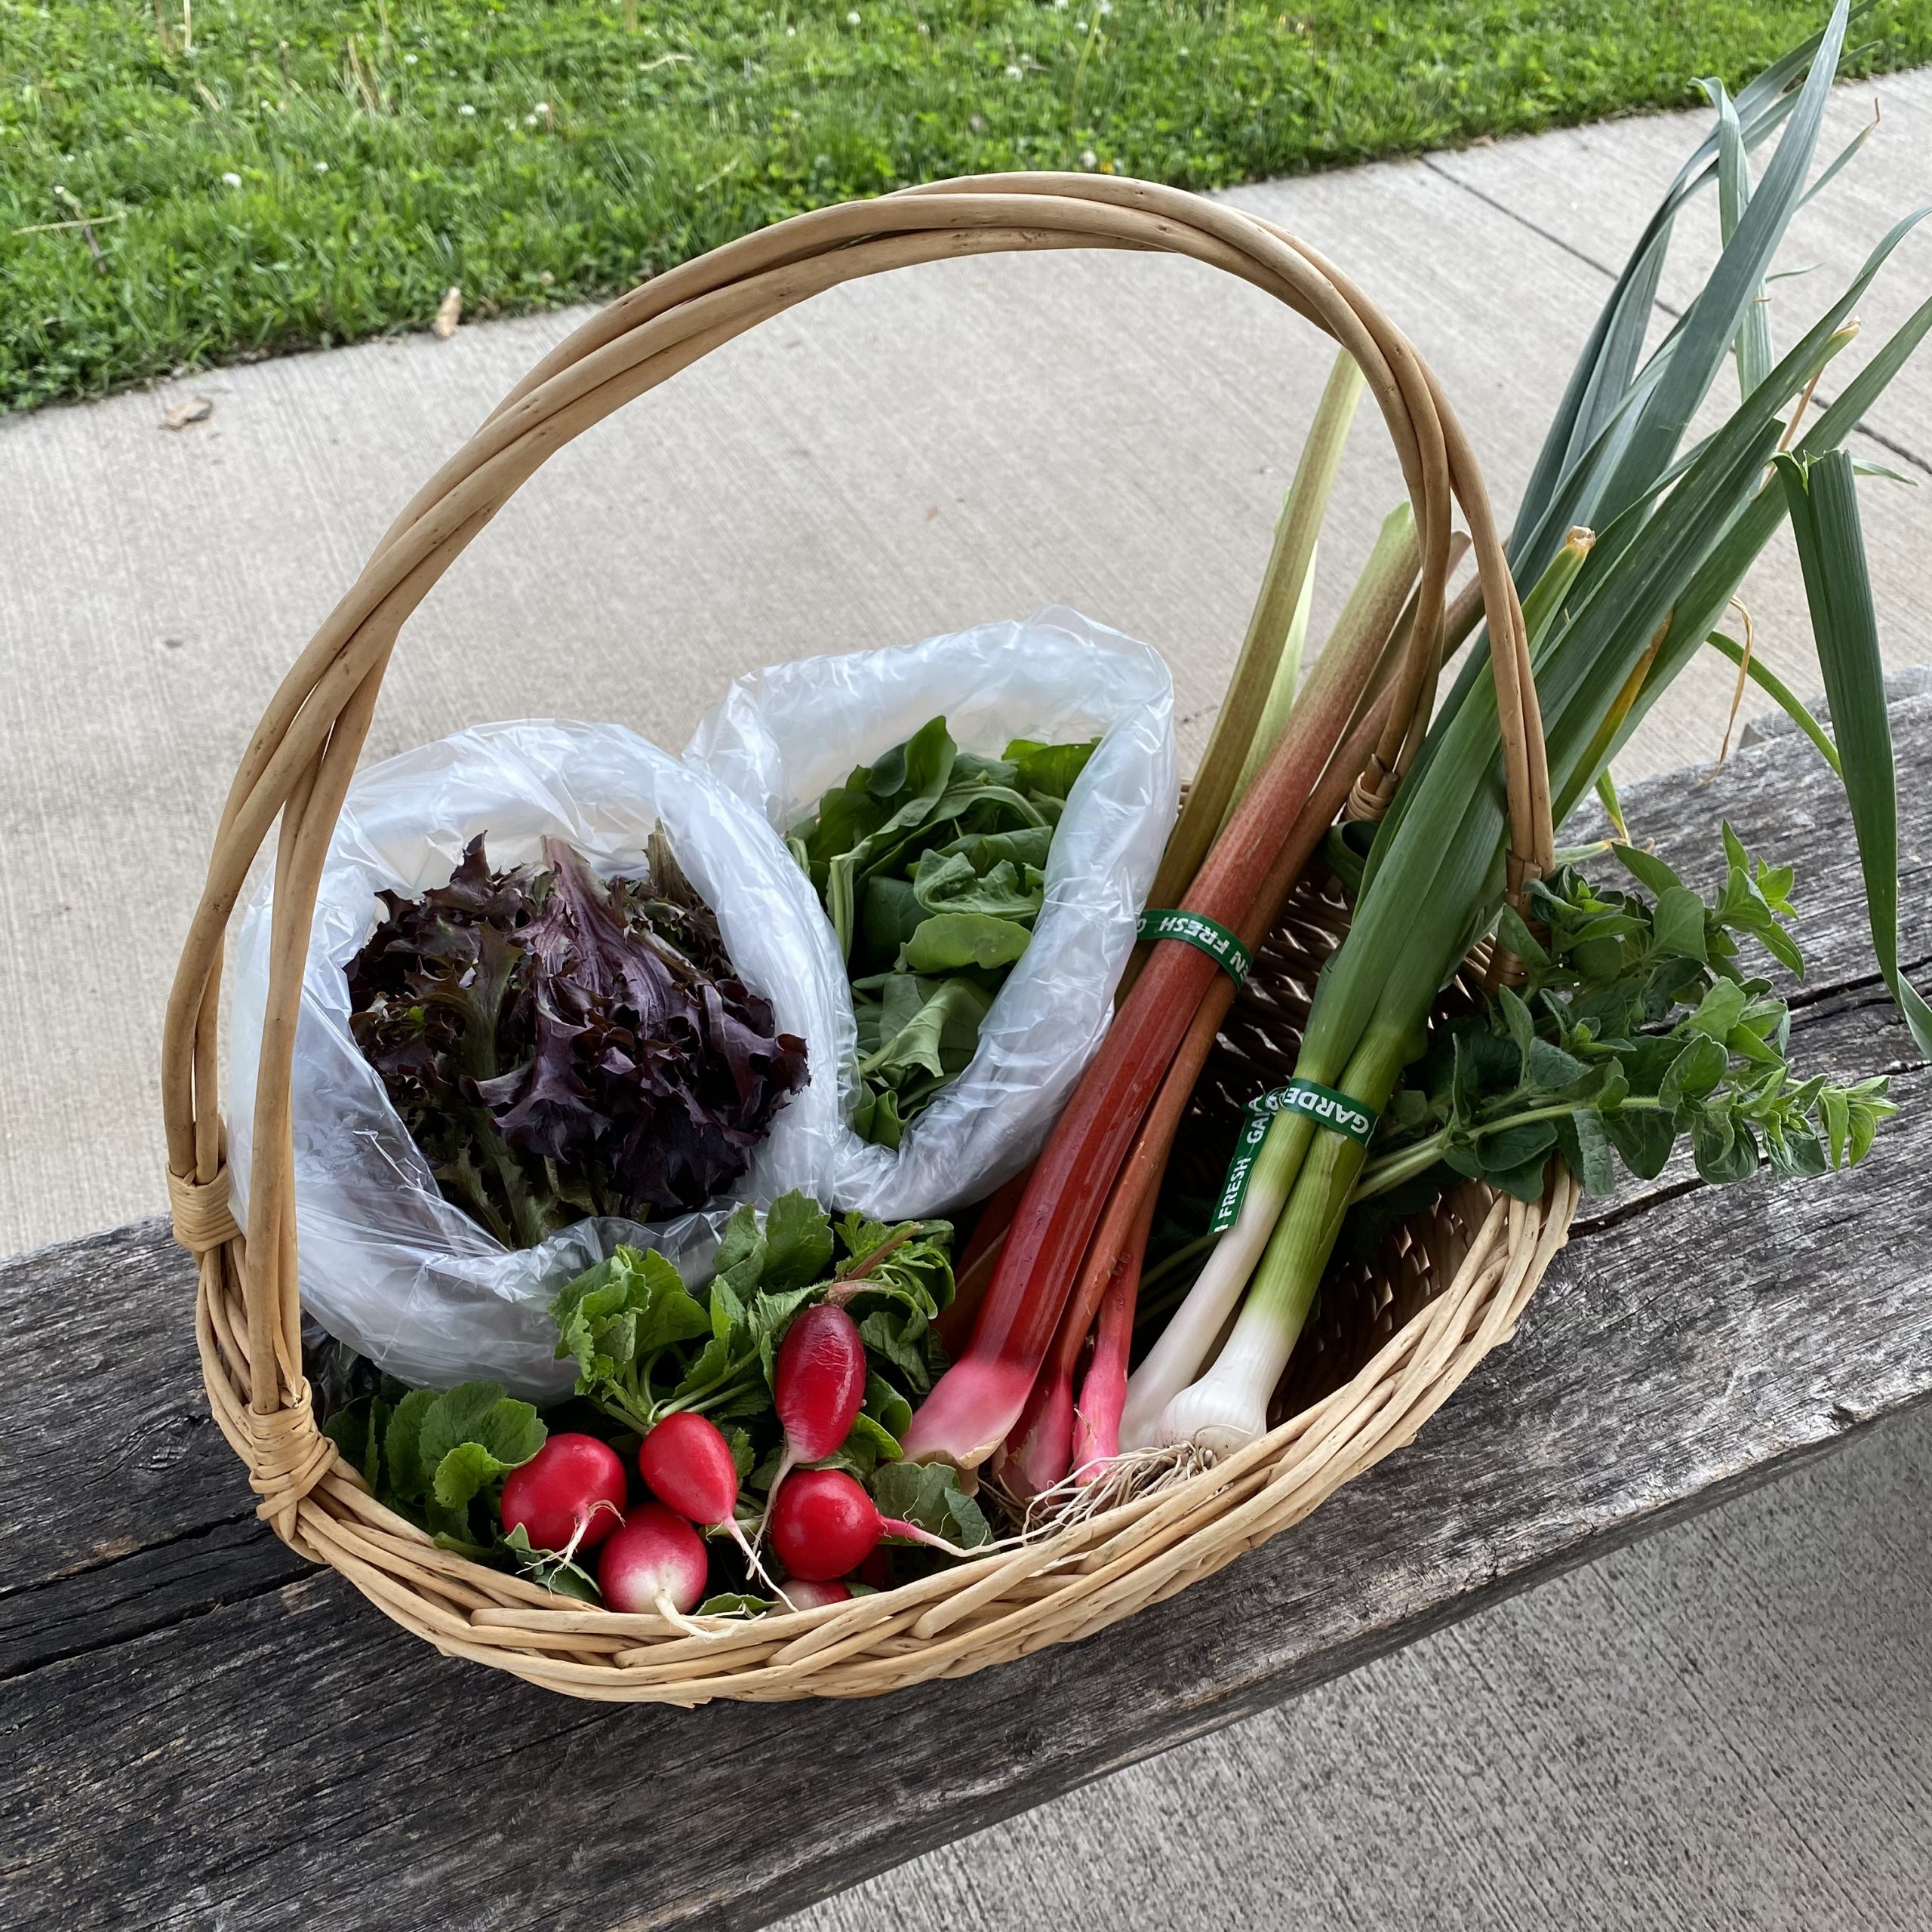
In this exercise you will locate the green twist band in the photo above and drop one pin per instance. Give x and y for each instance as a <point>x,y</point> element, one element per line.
<point>1323,1106</point>
<point>1204,935</point>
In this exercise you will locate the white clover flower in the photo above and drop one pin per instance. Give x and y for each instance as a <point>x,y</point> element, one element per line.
<point>409,59</point>
<point>1088,159</point>
<point>234,180</point>
<point>321,168</point>
<point>1013,73</point>
<point>852,18</point>
<point>466,109</point>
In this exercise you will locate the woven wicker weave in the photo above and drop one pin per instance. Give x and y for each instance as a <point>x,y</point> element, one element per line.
<point>1392,1340</point>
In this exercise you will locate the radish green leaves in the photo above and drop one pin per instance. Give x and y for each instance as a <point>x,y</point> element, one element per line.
<point>432,1454</point>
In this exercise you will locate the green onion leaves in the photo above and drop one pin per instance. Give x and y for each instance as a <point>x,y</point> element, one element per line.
<point>1822,493</point>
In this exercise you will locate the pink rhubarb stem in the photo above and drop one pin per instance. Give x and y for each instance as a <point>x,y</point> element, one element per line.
<point>1103,1388</point>
<point>1250,872</point>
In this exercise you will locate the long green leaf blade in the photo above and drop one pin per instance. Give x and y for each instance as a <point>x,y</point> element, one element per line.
<point>1767,681</point>
<point>1712,320</point>
<point>1752,342</point>
<point>1602,374</point>
<point>1822,493</point>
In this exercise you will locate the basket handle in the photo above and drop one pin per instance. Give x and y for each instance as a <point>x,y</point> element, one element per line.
<point>299,762</point>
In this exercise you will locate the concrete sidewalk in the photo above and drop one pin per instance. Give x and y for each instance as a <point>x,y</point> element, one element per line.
<point>1717,1730</point>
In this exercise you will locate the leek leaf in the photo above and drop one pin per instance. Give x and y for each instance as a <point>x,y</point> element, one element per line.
<point>1752,343</point>
<point>1774,687</point>
<point>1822,493</point>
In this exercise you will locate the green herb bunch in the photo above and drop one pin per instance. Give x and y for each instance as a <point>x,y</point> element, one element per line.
<point>1636,1028</point>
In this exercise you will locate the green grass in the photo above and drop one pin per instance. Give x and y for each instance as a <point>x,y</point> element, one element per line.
<point>297,174</point>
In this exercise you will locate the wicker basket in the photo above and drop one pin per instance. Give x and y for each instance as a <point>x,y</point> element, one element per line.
<point>1393,1340</point>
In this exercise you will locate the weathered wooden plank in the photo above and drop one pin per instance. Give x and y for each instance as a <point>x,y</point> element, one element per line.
<point>102,1389</point>
<point>192,1742</point>
<point>127,1597</point>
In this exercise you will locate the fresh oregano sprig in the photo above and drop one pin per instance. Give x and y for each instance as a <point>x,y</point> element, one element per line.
<point>1636,1028</point>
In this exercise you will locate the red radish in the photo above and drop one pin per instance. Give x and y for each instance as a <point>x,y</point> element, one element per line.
<point>569,1496</point>
<point>825,1524</point>
<point>814,1596</point>
<point>687,1464</point>
<point>818,1385</point>
<point>656,1561</point>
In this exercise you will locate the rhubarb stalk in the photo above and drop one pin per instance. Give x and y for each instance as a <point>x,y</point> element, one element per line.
<point>977,1260</point>
<point>1103,1388</point>
<point>1228,764</point>
<point>976,1401</point>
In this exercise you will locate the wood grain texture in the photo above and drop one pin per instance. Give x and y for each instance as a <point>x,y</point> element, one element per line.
<point>196,1731</point>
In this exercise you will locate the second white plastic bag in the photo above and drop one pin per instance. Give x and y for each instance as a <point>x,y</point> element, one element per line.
<point>781,738</point>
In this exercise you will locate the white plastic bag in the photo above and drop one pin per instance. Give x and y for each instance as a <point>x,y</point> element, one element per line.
<point>387,1264</point>
<point>781,738</point>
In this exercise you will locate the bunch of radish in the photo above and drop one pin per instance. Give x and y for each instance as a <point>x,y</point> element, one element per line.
<point>571,1496</point>
<point>822,1523</point>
